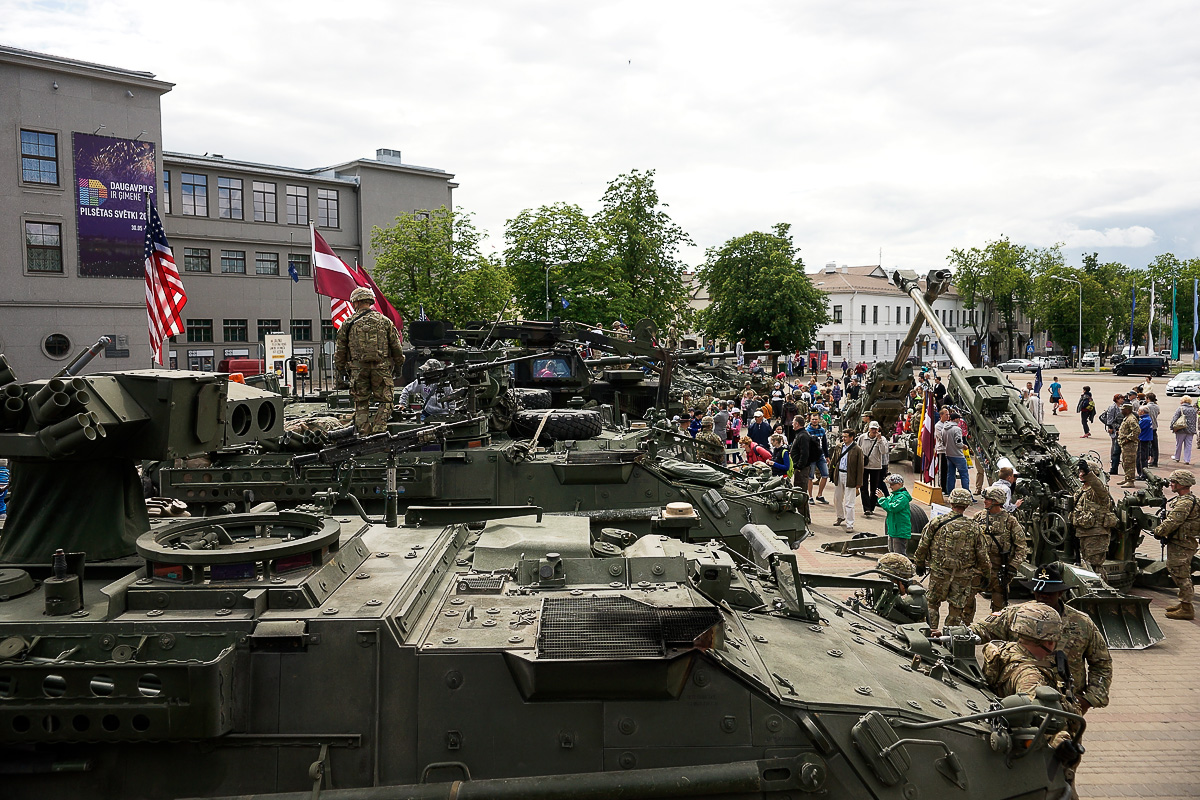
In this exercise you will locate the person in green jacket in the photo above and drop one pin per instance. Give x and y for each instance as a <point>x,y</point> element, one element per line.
<point>899,522</point>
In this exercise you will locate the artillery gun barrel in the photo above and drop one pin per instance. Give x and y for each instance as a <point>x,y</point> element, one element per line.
<point>83,359</point>
<point>936,283</point>
<point>909,285</point>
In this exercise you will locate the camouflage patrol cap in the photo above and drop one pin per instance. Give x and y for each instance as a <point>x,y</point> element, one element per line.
<point>1037,621</point>
<point>995,495</point>
<point>1182,477</point>
<point>961,498</point>
<point>362,293</point>
<point>898,565</point>
<point>432,363</point>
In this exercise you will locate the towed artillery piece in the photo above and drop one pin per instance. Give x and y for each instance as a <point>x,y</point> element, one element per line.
<point>1003,432</point>
<point>470,651</point>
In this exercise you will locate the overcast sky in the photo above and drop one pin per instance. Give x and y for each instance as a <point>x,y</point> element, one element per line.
<point>904,127</point>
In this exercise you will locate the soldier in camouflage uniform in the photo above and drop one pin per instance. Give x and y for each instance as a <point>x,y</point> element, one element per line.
<point>368,349</point>
<point>900,602</point>
<point>708,445</point>
<point>1093,518</point>
<point>1127,437</point>
<point>953,551</point>
<point>1088,659</point>
<point>1180,530</point>
<point>1005,540</point>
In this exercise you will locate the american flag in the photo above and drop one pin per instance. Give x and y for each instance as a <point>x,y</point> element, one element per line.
<point>165,296</point>
<point>340,310</point>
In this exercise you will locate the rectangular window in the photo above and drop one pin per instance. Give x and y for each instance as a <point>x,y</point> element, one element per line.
<point>233,262</point>
<point>864,315</point>
<point>43,246</point>
<point>897,315</point>
<point>302,262</point>
<point>236,330</point>
<point>266,263</point>
<point>165,200</point>
<point>908,316</point>
<point>327,208</point>
<point>328,332</point>
<point>820,344</point>
<point>897,345</point>
<point>194,190</point>
<point>837,348</point>
<point>837,314</point>
<point>264,202</point>
<point>199,330</point>
<point>875,315</point>
<point>197,259</point>
<point>302,330</point>
<point>266,326</point>
<point>862,346</point>
<point>201,360</point>
<point>229,198</point>
<point>39,157</point>
<point>874,347</point>
<point>297,205</point>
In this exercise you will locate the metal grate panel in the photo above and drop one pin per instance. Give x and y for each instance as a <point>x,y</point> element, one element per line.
<point>616,627</point>
<point>481,582</point>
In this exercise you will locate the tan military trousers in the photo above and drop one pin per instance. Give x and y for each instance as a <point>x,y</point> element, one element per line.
<point>1179,567</point>
<point>1093,548</point>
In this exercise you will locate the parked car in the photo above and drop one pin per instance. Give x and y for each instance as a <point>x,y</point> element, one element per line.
<point>1117,358</point>
<point>1185,383</point>
<point>1051,362</point>
<point>1165,354</point>
<point>1018,365</point>
<point>1142,365</point>
<point>1090,359</point>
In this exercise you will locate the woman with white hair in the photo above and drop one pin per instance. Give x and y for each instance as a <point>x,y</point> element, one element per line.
<point>1183,425</point>
<point>898,524</point>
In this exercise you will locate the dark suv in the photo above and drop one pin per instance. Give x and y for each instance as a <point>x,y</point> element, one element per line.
<point>1142,365</point>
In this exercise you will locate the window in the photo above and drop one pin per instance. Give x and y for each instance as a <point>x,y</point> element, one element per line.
<point>200,360</point>
<point>897,345</point>
<point>328,332</point>
<point>302,263</point>
<point>266,263</point>
<point>166,195</point>
<point>233,261</point>
<point>39,157</point>
<point>837,348</point>
<point>864,315</point>
<point>874,347</point>
<point>897,315</point>
<point>327,208</point>
<point>57,345</point>
<point>862,349</point>
<point>195,194</point>
<point>264,202</point>
<point>297,205</point>
<point>236,330</point>
<point>875,315</point>
<point>266,326</point>
<point>197,259</point>
<point>199,330</point>
<point>302,330</point>
<point>229,198</point>
<point>908,316</point>
<point>43,247</point>
<point>837,314</point>
<point>820,344</point>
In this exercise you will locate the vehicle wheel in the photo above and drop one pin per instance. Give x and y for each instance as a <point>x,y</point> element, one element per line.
<point>567,423</point>
<point>532,398</point>
<point>919,520</point>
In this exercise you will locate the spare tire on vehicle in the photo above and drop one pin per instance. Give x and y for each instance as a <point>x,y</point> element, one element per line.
<point>563,423</point>
<point>919,520</point>
<point>532,398</point>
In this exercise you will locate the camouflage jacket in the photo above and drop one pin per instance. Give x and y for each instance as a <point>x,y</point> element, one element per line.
<point>1011,669</point>
<point>953,545</point>
<point>1182,524</point>
<point>1129,431</point>
<point>710,447</point>
<point>367,339</point>
<point>1003,534</point>
<point>1088,659</point>
<point>1092,503</point>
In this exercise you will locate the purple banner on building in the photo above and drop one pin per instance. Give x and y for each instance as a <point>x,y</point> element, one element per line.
<point>112,177</point>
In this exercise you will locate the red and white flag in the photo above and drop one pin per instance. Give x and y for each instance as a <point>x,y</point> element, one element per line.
<point>334,278</point>
<point>340,310</point>
<point>165,296</point>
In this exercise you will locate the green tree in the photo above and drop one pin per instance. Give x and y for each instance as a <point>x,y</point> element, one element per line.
<point>758,289</point>
<point>641,243</point>
<point>1056,304</point>
<point>433,259</point>
<point>557,249</point>
<point>995,279</point>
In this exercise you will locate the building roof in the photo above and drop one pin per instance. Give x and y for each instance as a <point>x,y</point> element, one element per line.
<point>30,58</point>
<point>868,279</point>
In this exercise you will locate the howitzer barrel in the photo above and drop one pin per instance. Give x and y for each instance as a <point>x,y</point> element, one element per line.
<point>909,285</point>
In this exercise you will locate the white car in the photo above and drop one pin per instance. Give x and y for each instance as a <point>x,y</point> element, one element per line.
<point>1185,383</point>
<point>1089,359</point>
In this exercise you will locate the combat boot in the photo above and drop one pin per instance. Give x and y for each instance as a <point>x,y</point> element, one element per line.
<point>1185,611</point>
<point>1175,607</point>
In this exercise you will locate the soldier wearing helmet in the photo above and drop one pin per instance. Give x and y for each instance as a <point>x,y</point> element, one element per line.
<point>423,392</point>
<point>1005,540</point>
<point>368,351</point>
<point>952,550</point>
<point>1180,531</point>
<point>1092,517</point>
<point>709,446</point>
<point>902,601</point>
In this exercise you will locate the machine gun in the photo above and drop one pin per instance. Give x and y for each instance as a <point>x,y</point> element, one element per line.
<point>463,391</point>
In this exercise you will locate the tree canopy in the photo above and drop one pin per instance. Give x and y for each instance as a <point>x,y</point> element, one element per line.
<point>758,289</point>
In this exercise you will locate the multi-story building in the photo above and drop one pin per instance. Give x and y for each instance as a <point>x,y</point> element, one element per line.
<point>83,142</point>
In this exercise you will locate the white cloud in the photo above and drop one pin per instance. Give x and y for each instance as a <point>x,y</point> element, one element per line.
<point>1133,236</point>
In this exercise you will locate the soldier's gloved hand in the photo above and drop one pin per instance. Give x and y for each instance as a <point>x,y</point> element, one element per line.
<point>922,572</point>
<point>342,384</point>
<point>1069,752</point>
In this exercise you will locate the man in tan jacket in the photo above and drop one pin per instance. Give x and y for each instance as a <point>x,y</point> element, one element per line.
<point>846,466</point>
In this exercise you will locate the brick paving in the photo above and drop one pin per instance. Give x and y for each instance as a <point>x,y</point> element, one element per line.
<point>1146,743</point>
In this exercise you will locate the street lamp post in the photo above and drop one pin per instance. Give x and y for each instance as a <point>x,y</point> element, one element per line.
<point>548,266</point>
<point>1079,351</point>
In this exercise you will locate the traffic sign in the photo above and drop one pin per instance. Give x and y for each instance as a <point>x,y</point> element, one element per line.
<point>1029,348</point>
<point>1074,348</point>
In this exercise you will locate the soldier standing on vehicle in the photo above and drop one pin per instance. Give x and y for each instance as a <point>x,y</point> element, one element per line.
<point>1093,518</point>
<point>952,550</point>
<point>368,351</point>
<point>1127,438</point>
<point>1005,540</point>
<point>1179,531</point>
<point>710,447</point>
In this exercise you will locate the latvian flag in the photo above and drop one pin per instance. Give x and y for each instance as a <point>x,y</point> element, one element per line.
<point>335,279</point>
